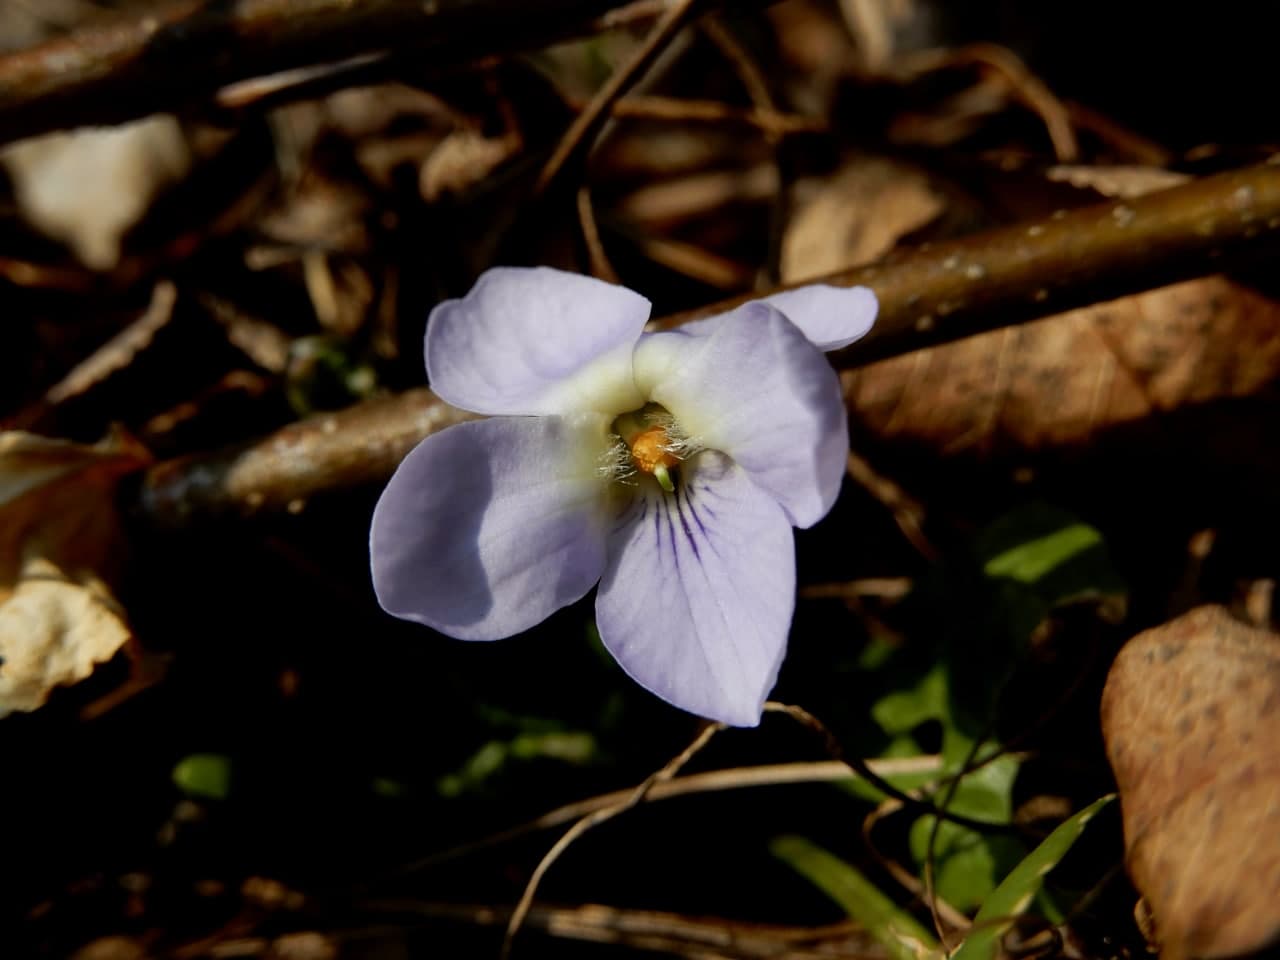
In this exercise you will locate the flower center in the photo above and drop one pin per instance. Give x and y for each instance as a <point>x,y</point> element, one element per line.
<point>649,441</point>
<point>652,453</point>
<point>652,449</point>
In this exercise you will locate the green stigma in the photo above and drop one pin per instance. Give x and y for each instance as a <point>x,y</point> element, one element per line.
<point>663,476</point>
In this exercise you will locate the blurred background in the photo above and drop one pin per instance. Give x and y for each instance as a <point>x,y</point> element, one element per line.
<point>263,764</point>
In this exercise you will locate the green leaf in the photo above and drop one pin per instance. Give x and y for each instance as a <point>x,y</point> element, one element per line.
<point>904,710</point>
<point>1050,551</point>
<point>929,698</point>
<point>1029,562</point>
<point>388,788</point>
<point>496,757</point>
<point>986,793</point>
<point>203,775</point>
<point>1016,891</point>
<point>968,863</point>
<point>571,747</point>
<point>891,926</point>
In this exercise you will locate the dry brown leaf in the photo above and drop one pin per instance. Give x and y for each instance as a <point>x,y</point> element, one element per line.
<point>59,543</point>
<point>304,945</point>
<point>111,948</point>
<point>1191,717</point>
<point>1067,379</point>
<point>667,204</point>
<point>871,22</point>
<point>24,25</point>
<point>854,217</point>
<point>317,213</point>
<point>462,160</point>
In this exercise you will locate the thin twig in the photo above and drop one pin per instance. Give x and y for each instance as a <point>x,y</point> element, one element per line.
<point>757,87</point>
<point>666,933</point>
<point>908,512</point>
<point>859,766</point>
<point>113,356</point>
<point>905,878</point>
<point>669,770</point>
<point>749,74</point>
<point>578,138</point>
<point>600,265</point>
<point>883,588</point>
<point>736,778</point>
<point>679,110</point>
<point>692,261</point>
<point>1026,87</point>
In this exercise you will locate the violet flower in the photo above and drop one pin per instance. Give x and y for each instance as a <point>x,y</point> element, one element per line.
<point>669,467</point>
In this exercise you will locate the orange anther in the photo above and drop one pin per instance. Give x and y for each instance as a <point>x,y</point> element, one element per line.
<point>650,449</point>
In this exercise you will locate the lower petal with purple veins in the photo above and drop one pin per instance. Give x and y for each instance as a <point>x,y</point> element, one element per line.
<point>696,601</point>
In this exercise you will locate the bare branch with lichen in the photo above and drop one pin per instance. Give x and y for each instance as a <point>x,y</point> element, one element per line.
<point>928,295</point>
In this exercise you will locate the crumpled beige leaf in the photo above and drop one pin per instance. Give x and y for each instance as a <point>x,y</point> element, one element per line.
<point>87,187</point>
<point>462,160</point>
<point>1191,718</point>
<point>59,546</point>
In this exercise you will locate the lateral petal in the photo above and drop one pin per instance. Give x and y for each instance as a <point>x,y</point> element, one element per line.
<point>533,340</point>
<point>750,384</point>
<point>488,527</point>
<point>831,317</point>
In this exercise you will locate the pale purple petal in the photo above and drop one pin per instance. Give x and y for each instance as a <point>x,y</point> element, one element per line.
<point>489,527</point>
<point>696,601</point>
<point>533,340</point>
<point>755,388</point>
<point>831,317</point>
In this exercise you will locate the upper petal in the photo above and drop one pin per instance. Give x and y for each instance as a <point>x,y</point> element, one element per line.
<point>750,384</point>
<point>533,340</point>
<point>696,601</point>
<point>831,317</point>
<point>488,527</point>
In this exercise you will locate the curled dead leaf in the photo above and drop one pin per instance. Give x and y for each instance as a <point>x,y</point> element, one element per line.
<point>53,632</point>
<point>59,546</point>
<point>1191,717</point>
<point>1116,181</point>
<point>855,216</point>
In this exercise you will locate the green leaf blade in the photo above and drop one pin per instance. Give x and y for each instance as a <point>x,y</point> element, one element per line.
<point>1016,891</point>
<point>892,927</point>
